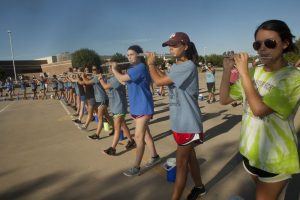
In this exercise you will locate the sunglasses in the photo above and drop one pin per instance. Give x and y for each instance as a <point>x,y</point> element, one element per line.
<point>269,43</point>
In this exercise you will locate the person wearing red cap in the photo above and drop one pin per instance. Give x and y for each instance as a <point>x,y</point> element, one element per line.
<point>185,114</point>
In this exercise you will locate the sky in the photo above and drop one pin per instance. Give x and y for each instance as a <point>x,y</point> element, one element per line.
<point>41,28</point>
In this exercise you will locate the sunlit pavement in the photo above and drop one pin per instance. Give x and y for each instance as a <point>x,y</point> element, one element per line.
<point>44,155</point>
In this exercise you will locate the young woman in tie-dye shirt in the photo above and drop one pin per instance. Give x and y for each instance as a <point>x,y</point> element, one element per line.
<point>270,95</point>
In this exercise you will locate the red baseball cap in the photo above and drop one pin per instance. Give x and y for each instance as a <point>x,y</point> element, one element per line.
<point>175,38</point>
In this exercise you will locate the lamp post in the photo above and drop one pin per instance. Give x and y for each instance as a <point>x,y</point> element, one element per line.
<point>12,53</point>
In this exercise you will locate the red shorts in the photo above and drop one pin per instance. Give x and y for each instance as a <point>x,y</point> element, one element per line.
<point>183,139</point>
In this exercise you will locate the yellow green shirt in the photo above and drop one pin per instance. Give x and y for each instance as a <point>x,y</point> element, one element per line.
<point>270,143</point>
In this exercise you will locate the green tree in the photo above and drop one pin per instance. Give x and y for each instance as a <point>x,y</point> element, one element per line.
<point>292,57</point>
<point>85,58</point>
<point>215,60</point>
<point>2,74</point>
<point>118,57</point>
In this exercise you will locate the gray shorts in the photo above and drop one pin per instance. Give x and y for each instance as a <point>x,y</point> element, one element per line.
<point>91,101</point>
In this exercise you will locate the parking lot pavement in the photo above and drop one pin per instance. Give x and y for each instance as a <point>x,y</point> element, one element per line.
<point>44,155</point>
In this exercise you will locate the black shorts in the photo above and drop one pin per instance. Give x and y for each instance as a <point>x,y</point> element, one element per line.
<point>256,171</point>
<point>102,103</point>
<point>210,87</point>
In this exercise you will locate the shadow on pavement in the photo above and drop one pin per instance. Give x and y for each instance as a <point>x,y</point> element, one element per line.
<point>162,135</point>
<point>159,120</point>
<point>207,116</point>
<point>28,187</point>
<point>224,127</point>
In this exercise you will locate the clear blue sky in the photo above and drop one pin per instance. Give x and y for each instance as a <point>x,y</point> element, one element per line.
<point>47,27</point>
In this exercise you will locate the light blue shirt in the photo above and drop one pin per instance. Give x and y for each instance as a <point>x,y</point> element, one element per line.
<point>210,77</point>
<point>185,114</point>
<point>117,97</point>
<point>100,94</point>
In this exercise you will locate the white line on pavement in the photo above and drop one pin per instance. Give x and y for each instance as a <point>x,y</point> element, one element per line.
<point>63,105</point>
<point>4,108</point>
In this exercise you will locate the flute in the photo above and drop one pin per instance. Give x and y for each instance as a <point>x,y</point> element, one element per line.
<point>158,55</point>
<point>230,54</point>
<point>256,58</point>
<point>75,73</point>
<point>121,63</point>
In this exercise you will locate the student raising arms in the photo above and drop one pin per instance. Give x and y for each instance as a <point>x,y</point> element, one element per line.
<point>138,82</point>
<point>185,114</point>
<point>270,95</point>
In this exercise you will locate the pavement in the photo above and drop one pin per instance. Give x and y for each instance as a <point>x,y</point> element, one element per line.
<point>44,155</point>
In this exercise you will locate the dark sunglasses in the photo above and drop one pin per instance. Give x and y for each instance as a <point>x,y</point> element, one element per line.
<point>269,43</point>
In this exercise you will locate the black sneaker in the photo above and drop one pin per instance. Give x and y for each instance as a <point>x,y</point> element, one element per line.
<point>77,121</point>
<point>110,151</point>
<point>196,191</point>
<point>130,144</point>
<point>94,137</point>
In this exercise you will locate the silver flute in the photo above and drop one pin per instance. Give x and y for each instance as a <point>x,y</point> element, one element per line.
<point>75,73</point>
<point>158,55</point>
<point>230,54</point>
<point>121,63</point>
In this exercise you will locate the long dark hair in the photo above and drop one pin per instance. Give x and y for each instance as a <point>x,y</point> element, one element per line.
<point>283,30</point>
<point>191,53</point>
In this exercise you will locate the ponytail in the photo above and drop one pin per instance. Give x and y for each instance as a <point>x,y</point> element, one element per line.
<point>191,53</point>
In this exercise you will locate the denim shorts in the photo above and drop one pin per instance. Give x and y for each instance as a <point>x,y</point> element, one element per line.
<point>82,98</point>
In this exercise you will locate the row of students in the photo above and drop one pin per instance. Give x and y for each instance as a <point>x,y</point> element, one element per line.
<point>270,95</point>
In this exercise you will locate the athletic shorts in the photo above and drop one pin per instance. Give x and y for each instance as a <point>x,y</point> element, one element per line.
<point>102,103</point>
<point>210,87</point>
<point>262,175</point>
<point>117,115</point>
<point>82,98</point>
<point>91,101</point>
<point>139,116</point>
<point>183,139</point>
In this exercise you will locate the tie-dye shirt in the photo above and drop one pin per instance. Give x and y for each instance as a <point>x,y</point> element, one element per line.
<point>270,143</point>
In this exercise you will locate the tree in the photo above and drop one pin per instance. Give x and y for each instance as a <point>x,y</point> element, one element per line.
<point>119,58</point>
<point>85,58</point>
<point>292,57</point>
<point>215,60</point>
<point>2,74</point>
